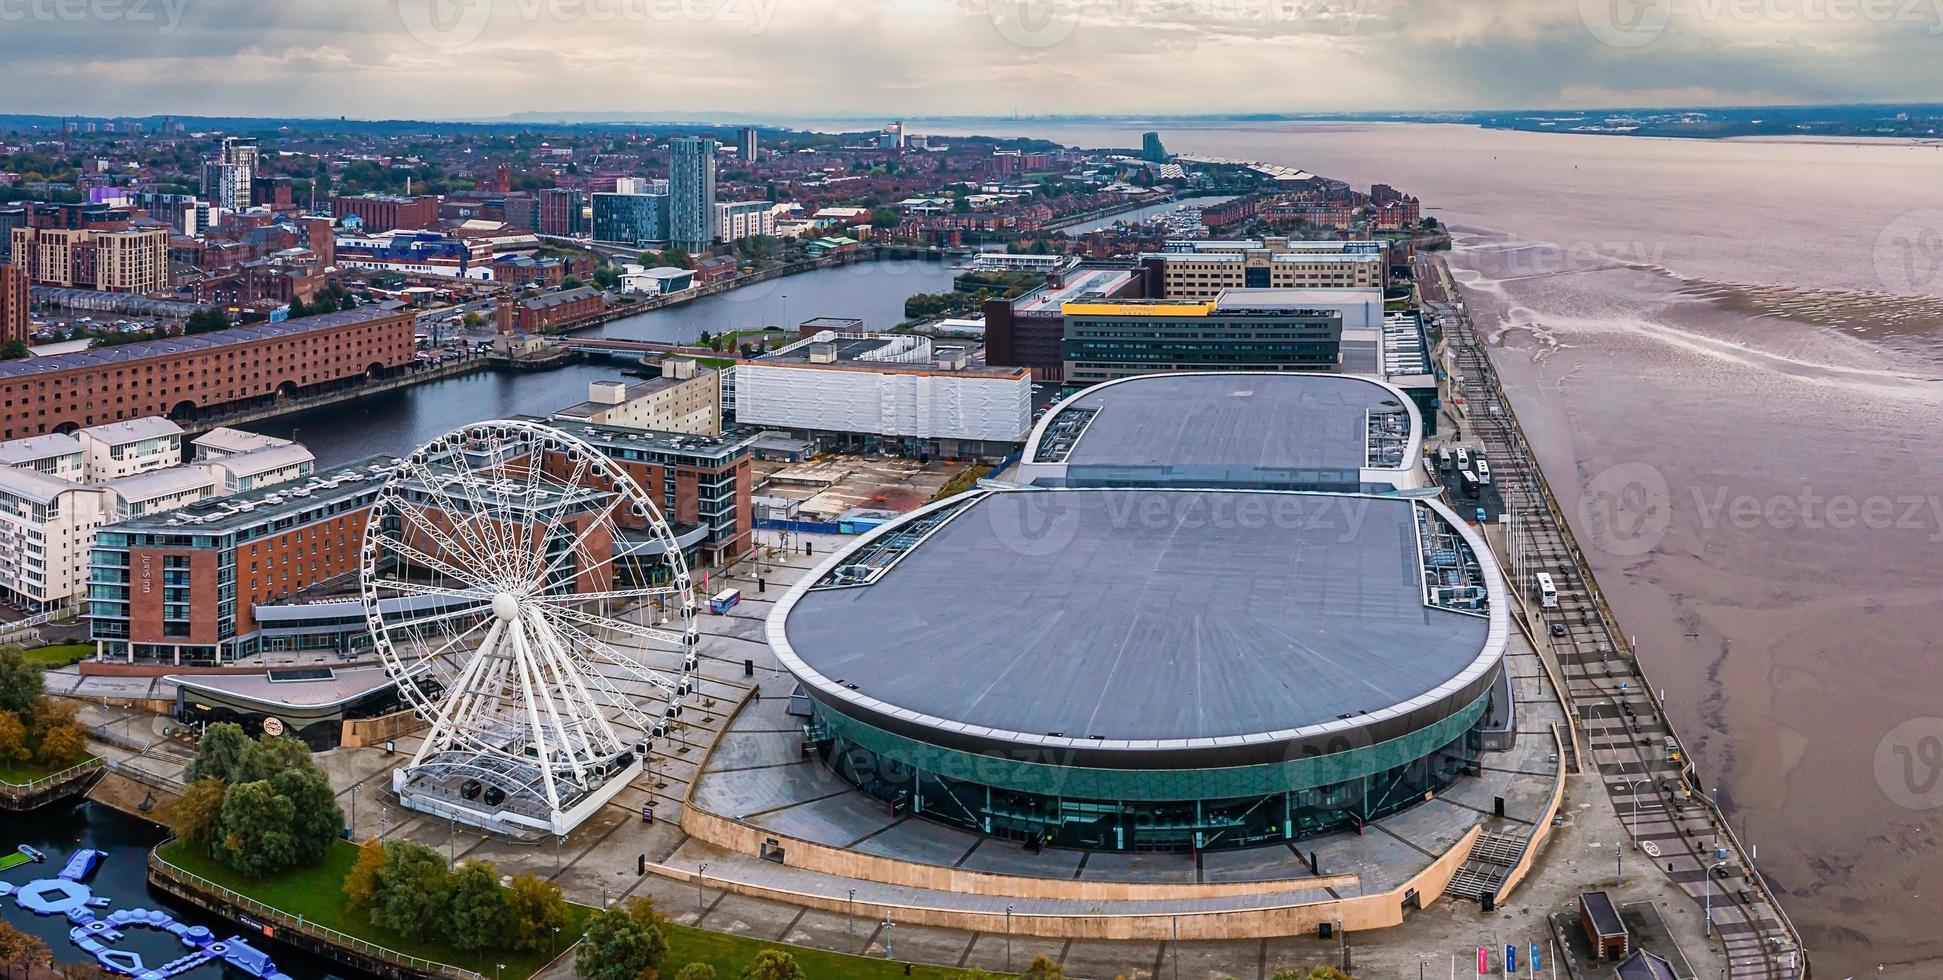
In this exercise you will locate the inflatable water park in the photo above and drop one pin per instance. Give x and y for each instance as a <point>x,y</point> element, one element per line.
<point>95,933</point>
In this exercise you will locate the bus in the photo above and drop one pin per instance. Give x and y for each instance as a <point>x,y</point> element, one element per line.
<point>724,601</point>
<point>1483,470</point>
<point>1547,592</point>
<point>1463,458</point>
<point>1443,457</point>
<point>1467,480</point>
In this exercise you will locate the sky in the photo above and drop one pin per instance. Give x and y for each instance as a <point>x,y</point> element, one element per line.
<point>675,59</point>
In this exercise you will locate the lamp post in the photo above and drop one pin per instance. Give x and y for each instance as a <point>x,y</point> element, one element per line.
<point>1710,897</point>
<point>888,926</point>
<point>700,870</point>
<point>851,916</point>
<point>1008,939</point>
<point>1637,783</point>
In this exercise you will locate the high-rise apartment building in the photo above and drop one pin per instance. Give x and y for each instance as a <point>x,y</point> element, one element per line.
<point>561,212</point>
<point>639,220</point>
<point>747,145</point>
<point>228,177</point>
<point>120,261</point>
<point>15,301</point>
<point>691,185</point>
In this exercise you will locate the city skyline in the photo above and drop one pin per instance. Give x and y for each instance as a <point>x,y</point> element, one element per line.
<point>483,59</point>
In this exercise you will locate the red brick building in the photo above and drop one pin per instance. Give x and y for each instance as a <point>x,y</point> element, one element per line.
<point>183,377</point>
<point>553,310</point>
<point>386,212</point>
<point>15,301</point>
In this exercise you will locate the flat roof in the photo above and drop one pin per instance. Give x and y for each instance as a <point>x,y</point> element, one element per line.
<point>224,515</point>
<point>1227,421</point>
<point>1140,615</point>
<point>1079,285</point>
<point>1297,297</point>
<point>303,689</point>
<point>142,350</point>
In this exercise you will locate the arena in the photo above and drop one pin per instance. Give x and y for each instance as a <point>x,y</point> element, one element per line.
<point>1152,668</point>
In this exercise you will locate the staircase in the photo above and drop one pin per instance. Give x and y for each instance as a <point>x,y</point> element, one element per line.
<point>1484,870</point>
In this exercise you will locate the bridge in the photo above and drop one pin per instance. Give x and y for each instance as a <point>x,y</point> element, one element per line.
<point>612,345</point>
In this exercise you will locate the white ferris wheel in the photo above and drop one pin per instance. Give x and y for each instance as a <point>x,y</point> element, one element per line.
<point>535,608</point>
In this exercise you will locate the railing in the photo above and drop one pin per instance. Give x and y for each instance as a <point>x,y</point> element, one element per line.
<point>36,785</point>
<point>343,940</point>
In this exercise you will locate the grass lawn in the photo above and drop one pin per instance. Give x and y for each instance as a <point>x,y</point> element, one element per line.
<point>60,654</point>
<point>20,773</point>
<point>317,894</point>
<point>729,954</point>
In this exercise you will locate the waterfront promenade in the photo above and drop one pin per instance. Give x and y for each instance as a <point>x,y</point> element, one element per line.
<point>1673,826</point>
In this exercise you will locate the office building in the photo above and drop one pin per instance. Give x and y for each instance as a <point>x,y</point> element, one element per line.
<point>16,304</point>
<point>746,144</point>
<point>563,212</point>
<point>1151,149</point>
<point>736,220</point>
<point>691,189</point>
<point>635,220</point>
<point>1199,270</point>
<point>1027,331</point>
<point>887,392</point>
<point>685,398</point>
<point>1104,341</point>
<point>701,483</point>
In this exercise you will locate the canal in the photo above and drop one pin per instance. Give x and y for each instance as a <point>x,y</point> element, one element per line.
<point>400,421</point>
<point>60,829</point>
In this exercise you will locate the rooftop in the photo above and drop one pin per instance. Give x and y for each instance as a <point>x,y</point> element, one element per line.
<point>224,515</point>
<point>1223,427</point>
<point>586,410</point>
<point>624,438</point>
<point>41,447</point>
<point>161,483</point>
<point>1296,298</point>
<point>1080,285</point>
<point>1140,615</point>
<point>29,485</point>
<point>227,440</point>
<point>142,350</point>
<point>266,460</point>
<point>296,688</point>
<point>133,430</point>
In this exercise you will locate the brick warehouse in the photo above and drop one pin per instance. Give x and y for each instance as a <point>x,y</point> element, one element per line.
<point>186,377</point>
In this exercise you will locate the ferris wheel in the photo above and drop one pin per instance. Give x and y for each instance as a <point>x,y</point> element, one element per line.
<point>534,606</point>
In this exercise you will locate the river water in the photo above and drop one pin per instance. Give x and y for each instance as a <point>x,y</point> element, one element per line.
<point>400,421</point>
<point>59,830</point>
<point>1729,356</point>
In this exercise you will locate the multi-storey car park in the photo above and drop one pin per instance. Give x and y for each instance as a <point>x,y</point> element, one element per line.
<point>1180,644</point>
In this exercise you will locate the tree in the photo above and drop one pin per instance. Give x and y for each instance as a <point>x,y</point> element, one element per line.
<point>1042,969</point>
<point>223,753</point>
<point>362,883</point>
<point>204,320</point>
<point>476,913</point>
<point>13,739</point>
<point>773,964</point>
<point>606,277</point>
<point>197,814</point>
<point>22,950</point>
<point>619,946</point>
<point>534,909</point>
<point>20,681</point>
<point>572,282</point>
<point>272,754</point>
<point>412,891</point>
<point>316,819</point>
<point>13,350</point>
<point>696,971</point>
<point>473,320</point>
<point>59,739</point>
<point>256,829</point>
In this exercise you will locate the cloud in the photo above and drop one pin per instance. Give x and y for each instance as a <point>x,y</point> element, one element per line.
<point>486,58</point>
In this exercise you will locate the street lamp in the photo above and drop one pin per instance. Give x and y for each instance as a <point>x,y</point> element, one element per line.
<point>1008,939</point>
<point>1634,792</point>
<point>700,870</point>
<point>888,926</point>
<point>851,924</point>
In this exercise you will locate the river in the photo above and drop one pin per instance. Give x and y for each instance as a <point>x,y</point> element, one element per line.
<point>61,829</point>
<point>1729,356</point>
<point>400,421</point>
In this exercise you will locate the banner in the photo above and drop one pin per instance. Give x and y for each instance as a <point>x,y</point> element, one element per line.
<point>1510,959</point>
<point>1535,967</point>
<point>1483,961</point>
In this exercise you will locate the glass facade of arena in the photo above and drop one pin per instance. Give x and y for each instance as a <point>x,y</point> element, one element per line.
<point>1047,804</point>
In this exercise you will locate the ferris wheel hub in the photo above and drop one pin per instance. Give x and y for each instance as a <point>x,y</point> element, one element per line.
<point>505,605</point>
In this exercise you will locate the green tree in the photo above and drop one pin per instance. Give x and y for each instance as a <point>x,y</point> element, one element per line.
<point>272,754</point>
<point>476,914</point>
<point>13,350</point>
<point>773,964</point>
<point>535,910</point>
<point>20,681</point>
<point>362,883</point>
<point>607,277</point>
<point>58,739</point>
<point>197,815</point>
<point>473,320</point>
<point>204,320</point>
<point>619,946</point>
<point>696,971</point>
<point>412,891</point>
<point>1042,969</point>
<point>316,820</point>
<point>256,834</point>
<point>572,282</point>
<point>677,258</point>
<point>223,753</point>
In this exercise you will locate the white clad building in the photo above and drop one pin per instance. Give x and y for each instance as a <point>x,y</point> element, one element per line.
<point>271,465</point>
<point>47,527</point>
<point>55,454</point>
<point>736,220</point>
<point>887,392</point>
<point>133,446</point>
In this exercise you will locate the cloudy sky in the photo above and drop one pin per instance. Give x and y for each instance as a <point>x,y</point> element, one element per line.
<point>813,58</point>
